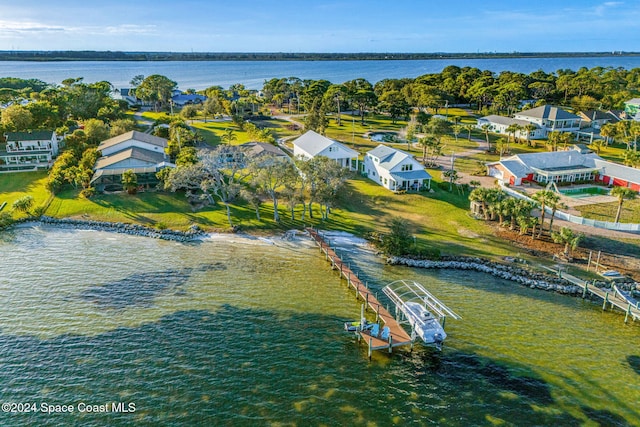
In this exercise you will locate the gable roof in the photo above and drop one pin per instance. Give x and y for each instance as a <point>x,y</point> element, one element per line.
<point>591,115</point>
<point>548,112</point>
<point>255,149</point>
<point>31,135</point>
<point>133,135</point>
<point>618,171</point>
<point>389,157</point>
<point>147,156</point>
<point>313,143</point>
<point>633,101</point>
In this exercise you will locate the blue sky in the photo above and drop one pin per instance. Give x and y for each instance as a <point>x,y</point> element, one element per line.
<point>321,26</point>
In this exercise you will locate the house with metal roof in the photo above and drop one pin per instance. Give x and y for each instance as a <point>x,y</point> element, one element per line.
<point>499,124</point>
<point>312,144</point>
<point>28,151</point>
<point>571,166</point>
<point>550,118</point>
<point>395,169</point>
<point>142,153</point>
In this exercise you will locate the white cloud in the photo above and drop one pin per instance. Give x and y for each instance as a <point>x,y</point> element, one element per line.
<point>15,27</point>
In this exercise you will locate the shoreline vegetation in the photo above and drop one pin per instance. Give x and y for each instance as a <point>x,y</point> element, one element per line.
<point>89,55</point>
<point>514,273</point>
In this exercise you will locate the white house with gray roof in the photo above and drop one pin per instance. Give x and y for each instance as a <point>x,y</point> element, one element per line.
<point>546,118</point>
<point>395,169</point>
<point>312,144</point>
<point>571,166</point>
<point>499,124</point>
<point>550,119</point>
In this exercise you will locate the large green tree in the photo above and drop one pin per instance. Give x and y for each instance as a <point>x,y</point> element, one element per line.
<point>156,89</point>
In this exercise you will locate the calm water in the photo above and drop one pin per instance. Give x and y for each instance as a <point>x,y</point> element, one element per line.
<point>200,75</point>
<point>249,332</point>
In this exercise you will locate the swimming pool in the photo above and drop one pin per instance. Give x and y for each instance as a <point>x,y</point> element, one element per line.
<point>585,192</point>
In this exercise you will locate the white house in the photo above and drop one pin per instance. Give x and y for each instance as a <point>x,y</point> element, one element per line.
<point>142,153</point>
<point>569,166</point>
<point>499,124</point>
<point>550,119</point>
<point>395,169</point>
<point>29,150</point>
<point>312,144</point>
<point>546,119</point>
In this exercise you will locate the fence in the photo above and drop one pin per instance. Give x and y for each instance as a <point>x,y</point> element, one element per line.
<point>633,228</point>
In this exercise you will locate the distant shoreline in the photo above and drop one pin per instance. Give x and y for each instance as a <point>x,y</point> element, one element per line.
<point>51,56</point>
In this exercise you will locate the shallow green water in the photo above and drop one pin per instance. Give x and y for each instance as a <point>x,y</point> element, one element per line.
<point>249,332</point>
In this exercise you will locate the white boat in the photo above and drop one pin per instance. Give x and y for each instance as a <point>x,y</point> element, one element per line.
<point>422,311</point>
<point>425,325</point>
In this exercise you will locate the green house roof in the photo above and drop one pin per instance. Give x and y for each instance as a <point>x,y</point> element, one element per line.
<point>32,135</point>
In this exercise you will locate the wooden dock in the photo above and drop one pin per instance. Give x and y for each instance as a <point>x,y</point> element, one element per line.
<point>398,336</point>
<point>609,296</point>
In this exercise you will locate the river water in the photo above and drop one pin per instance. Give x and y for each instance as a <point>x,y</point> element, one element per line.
<point>248,331</point>
<point>202,74</point>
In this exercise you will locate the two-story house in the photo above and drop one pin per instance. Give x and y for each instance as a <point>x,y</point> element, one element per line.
<point>142,153</point>
<point>30,150</point>
<point>395,169</point>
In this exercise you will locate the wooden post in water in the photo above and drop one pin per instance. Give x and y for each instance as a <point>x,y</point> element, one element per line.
<point>377,312</point>
<point>598,262</point>
<point>626,316</point>
<point>370,345</point>
<point>584,291</point>
<point>589,263</point>
<point>606,300</point>
<point>390,347</point>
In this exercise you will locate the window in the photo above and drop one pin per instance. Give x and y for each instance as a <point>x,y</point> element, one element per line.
<point>407,167</point>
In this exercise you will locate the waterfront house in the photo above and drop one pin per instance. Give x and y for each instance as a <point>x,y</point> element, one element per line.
<point>28,151</point>
<point>563,167</point>
<point>142,153</point>
<point>395,169</point>
<point>312,144</point>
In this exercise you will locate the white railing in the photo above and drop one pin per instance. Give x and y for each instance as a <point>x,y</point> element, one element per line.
<point>634,228</point>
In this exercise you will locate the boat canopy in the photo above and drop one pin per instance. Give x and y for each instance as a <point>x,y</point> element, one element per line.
<point>402,291</point>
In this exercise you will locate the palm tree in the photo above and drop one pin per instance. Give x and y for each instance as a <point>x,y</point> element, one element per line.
<point>229,136</point>
<point>530,128</point>
<point>608,131</point>
<point>554,205</point>
<point>544,198</point>
<point>512,129</point>
<point>569,238</point>
<point>553,138</point>
<point>469,127</point>
<point>486,128</point>
<point>130,181</point>
<point>598,145</point>
<point>622,193</point>
<point>457,130</point>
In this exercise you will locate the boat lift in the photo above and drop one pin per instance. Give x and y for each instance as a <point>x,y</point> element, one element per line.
<point>402,292</point>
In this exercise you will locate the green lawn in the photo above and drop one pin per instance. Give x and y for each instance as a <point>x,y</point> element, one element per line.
<point>607,211</point>
<point>16,185</point>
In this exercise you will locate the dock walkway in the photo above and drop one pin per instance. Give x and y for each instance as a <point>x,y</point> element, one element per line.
<point>398,336</point>
<point>608,296</point>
